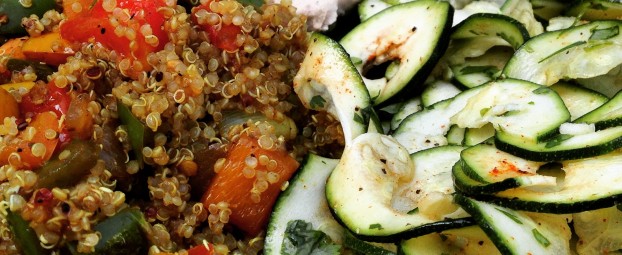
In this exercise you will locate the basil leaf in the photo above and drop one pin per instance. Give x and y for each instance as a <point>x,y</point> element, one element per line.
<point>301,239</point>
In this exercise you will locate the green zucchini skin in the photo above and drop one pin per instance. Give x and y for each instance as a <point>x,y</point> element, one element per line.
<point>16,11</point>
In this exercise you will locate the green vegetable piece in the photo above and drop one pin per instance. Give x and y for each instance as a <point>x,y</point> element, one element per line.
<point>24,236</point>
<point>301,239</point>
<point>540,238</point>
<point>541,90</point>
<point>317,102</point>
<point>41,70</point>
<point>376,226</point>
<point>68,171</point>
<point>605,33</point>
<point>256,3</point>
<point>124,233</point>
<point>511,216</point>
<point>563,49</point>
<point>13,11</point>
<point>136,131</point>
<point>557,140</point>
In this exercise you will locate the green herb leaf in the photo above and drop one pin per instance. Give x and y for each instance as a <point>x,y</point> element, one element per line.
<point>541,90</point>
<point>511,216</point>
<point>413,211</point>
<point>605,33</point>
<point>256,3</point>
<point>317,102</point>
<point>540,238</point>
<point>563,49</point>
<point>376,226</point>
<point>301,239</point>
<point>359,119</point>
<point>356,61</point>
<point>483,111</point>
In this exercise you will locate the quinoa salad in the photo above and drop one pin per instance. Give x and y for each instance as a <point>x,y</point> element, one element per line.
<point>172,125</point>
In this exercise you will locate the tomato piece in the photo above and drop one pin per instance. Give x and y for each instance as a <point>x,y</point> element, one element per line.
<point>223,36</point>
<point>48,98</point>
<point>205,249</point>
<point>232,186</point>
<point>41,123</point>
<point>94,24</point>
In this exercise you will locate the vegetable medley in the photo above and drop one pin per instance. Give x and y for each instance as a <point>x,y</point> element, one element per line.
<point>217,126</point>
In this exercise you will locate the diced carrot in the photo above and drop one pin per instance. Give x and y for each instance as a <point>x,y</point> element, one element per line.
<point>42,123</point>
<point>49,48</point>
<point>232,186</point>
<point>9,108</point>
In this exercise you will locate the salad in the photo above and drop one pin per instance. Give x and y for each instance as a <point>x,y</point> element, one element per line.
<point>217,127</point>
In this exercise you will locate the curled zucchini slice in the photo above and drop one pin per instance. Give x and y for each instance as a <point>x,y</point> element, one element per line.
<point>377,193</point>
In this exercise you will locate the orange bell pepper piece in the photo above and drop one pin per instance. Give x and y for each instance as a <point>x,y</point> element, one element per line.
<point>232,186</point>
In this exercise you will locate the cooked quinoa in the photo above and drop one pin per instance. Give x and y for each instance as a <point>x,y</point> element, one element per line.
<point>194,100</point>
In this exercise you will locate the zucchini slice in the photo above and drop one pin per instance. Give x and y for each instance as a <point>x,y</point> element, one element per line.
<point>598,231</point>
<point>583,51</point>
<point>562,147</point>
<point>578,100</point>
<point>306,188</point>
<point>607,115</point>
<point>515,232</point>
<point>547,9</point>
<point>461,241</point>
<point>588,184</point>
<point>491,25</point>
<point>373,191</point>
<point>412,46</point>
<point>596,9</point>
<point>473,136</point>
<point>407,108</point>
<point>328,81</point>
<point>456,135</point>
<point>438,91</point>
<point>467,185</point>
<point>427,128</point>
<point>482,69</point>
<point>486,164</point>
<point>519,111</point>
